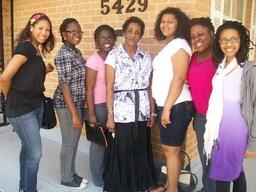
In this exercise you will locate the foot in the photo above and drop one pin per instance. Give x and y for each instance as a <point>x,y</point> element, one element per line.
<point>80,179</point>
<point>74,184</point>
<point>160,188</point>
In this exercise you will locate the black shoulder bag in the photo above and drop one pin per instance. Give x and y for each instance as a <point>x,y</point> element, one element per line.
<point>49,117</point>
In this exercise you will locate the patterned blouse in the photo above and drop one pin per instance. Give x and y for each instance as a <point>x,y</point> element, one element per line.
<point>130,74</point>
<point>70,65</point>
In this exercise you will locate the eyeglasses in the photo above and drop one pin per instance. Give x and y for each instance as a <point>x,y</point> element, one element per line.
<point>231,40</point>
<point>79,33</point>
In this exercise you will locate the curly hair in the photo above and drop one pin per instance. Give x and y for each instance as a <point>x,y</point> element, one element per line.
<point>26,34</point>
<point>134,19</point>
<point>202,21</point>
<point>244,35</point>
<point>64,25</point>
<point>183,26</point>
<point>101,28</point>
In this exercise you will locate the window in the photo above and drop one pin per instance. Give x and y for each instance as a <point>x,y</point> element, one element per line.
<point>223,10</point>
<point>234,10</point>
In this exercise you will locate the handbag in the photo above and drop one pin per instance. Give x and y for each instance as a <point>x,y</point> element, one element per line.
<point>187,180</point>
<point>96,134</point>
<point>49,117</point>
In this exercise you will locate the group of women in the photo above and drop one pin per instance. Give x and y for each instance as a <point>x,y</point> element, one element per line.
<point>118,88</point>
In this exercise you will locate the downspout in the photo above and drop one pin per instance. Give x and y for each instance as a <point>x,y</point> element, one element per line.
<point>1,38</point>
<point>12,26</point>
<point>5,122</point>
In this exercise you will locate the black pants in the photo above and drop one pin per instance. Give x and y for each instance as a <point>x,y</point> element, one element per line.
<point>239,184</point>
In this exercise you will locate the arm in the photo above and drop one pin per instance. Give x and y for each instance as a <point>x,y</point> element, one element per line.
<point>49,68</point>
<point>251,151</point>
<point>152,118</point>
<point>11,69</point>
<point>180,62</point>
<point>90,84</point>
<point>110,79</point>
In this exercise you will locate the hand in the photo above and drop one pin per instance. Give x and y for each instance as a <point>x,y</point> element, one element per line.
<point>92,120</point>
<point>249,154</point>
<point>76,122</point>
<point>110,123</point>
<point>151,121</point>
<point>49,68</point>
<point>165,117</point>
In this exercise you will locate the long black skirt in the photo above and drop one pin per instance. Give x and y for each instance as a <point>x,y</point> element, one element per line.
<point>129,159</point>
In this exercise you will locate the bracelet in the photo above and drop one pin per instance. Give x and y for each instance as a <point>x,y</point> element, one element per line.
<point>153,114</point>
<point>110,110</point>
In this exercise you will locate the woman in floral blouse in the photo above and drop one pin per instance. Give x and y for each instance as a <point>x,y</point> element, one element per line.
<point>129,162</point>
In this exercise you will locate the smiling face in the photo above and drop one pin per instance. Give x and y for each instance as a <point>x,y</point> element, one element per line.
<point>132,34</point>
<point>229,43</point>
<point>105,41</point>
<point>40,32</point>
<point>73,34</point>
<point>201,38</point>
<point>168,25</point>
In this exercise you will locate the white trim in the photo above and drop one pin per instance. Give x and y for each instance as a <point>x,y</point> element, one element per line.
<point>216,12</point>
<point>253,30</point>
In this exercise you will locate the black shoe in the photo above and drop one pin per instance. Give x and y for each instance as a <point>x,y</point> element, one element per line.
<point>74,184</point>
<point>80,179</point>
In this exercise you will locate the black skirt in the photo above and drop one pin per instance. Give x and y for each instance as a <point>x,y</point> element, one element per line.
<point>129,159</point>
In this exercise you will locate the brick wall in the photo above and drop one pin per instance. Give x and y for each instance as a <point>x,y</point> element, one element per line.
<point>88,13</point>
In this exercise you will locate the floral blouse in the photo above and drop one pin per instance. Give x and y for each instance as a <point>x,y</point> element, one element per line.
<point>130,74</point>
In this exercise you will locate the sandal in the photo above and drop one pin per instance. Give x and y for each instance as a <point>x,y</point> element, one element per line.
<point>159,188</point>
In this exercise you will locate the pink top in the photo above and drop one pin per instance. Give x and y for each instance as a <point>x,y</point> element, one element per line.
<point>199,78</point>
<point>96,63</point>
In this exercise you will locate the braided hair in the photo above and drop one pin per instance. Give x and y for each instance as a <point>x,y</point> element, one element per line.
<point>64,25</point>
<point>203,21</point>
<point>244,35</point>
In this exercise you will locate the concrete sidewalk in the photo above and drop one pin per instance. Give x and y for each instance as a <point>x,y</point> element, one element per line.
<point>49,172</point>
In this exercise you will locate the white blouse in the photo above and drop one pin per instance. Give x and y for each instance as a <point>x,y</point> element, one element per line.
<point>130,74</point>
<point>163,72</point>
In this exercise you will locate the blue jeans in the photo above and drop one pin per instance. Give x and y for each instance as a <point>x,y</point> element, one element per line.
<point>180,116</point>
<point>97,151</point>
<point>199,127</point>
<point>27,127</point>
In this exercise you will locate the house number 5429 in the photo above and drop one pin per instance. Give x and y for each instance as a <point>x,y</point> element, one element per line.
<point>106,7</point>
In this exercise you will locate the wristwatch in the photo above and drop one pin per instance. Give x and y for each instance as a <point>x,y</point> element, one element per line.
<point>110,110</point>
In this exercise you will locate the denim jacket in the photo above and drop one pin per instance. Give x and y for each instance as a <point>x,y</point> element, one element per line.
<point>248,101</point>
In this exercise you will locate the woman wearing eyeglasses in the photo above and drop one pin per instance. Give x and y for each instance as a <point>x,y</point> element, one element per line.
<point>69,100</point>
<point>230,133</point>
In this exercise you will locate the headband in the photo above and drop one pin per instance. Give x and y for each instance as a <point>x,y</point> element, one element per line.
<point>36,17</point>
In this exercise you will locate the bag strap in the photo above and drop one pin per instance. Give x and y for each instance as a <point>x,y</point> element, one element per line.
<point>192,175</point>
<point>188,171</point>
<point>187,156</point>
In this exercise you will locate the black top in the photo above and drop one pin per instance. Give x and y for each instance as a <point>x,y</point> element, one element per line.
<point>27,85</point>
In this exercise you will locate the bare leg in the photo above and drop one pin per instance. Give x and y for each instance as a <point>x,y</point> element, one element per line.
<point>173,165</point>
